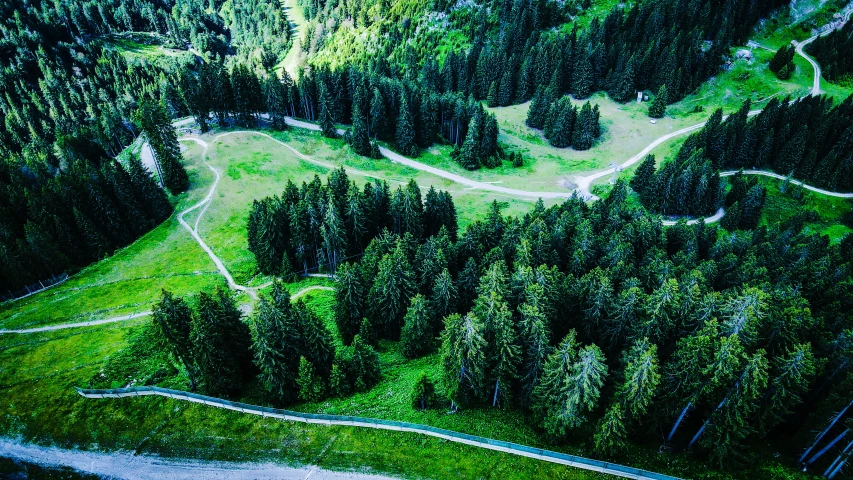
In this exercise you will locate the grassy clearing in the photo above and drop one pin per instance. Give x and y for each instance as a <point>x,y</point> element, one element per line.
<point>298,27</point>
<point>779,207</point>
<point>626,130</point>
<point>745,81</point>
<point>141,45</point>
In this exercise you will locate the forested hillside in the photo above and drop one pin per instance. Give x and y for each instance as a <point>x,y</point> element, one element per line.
<point>583,315</point>
<point>253,29</point>
<point>66,104</point>
<point>810,139</point>
<point>835,54</point>
<point>513,48</point>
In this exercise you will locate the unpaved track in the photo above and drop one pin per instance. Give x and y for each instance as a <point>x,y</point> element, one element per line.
<point>144,467</point>
<point>815,66</point>
<point>312,288</point>
<point>763,173</point>
<point>90,323</point>
<point>203,203</point>
<point>397,158</point>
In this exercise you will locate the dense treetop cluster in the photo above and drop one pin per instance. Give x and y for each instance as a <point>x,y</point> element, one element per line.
<point>597,315</point>
<point>255,30</point>
<point>512,48</point>
<point>564,124</point>
<point>810,139</point>
<point>66,105</point>
<point>834,52</point>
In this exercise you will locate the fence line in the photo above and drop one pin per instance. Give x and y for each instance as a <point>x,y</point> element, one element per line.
<point>324,419</point>
<point>33,289</point>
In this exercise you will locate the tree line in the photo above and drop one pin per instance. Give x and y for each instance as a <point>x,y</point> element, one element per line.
<point>320,226</point>
<point>563,124</point>
<point>834,52</point>
<point>285,345</point>
<point>408,116</point>
<point>808,139</point>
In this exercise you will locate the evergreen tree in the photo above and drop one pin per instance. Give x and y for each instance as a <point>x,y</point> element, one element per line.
<point>471,154</point>
<point>173,319</point>
<point>311,385</point>
<point>729,424</point>
<point>534,337</point>
<point>657,107</point>
<point>789,380</point>
<point>417,336</point>
<point>276,344</point>
<point>378,115</point>
<point>404,138</point>
<point>643,177</point>
<point>392,290</point>
<point>327,119</point>
<point>221,344</point>
<point>154,121</point>
<point>463,358</point>
<point>423,393</point>
<point>582,82</point>
<point>349,301</point>
<point>442,300</point>
<point>570,386</point>
<point>610,437</point>
<point>504,354</point>
<point>317,344</point>
<point>585,127</point>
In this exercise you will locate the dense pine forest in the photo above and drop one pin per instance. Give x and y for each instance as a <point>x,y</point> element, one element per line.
<point>835,54</point>
<point>513,49</point>
<point>66,104</point>
<point>593,319</point>
<point>810,139</point>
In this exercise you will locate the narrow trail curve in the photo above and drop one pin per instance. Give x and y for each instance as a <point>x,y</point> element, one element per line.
<point>203,203</point>
<point>305,290</point>
<point>816,78</point>
<point>821,191</point>
<point>208,199</point>
<point>583,182</point>
<point>712,219</point>
<point>395,426</point>
<point>397,158</point>
<point>91,323</point>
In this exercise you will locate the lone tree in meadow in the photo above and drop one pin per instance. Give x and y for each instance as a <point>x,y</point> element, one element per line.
<point>657,107</point>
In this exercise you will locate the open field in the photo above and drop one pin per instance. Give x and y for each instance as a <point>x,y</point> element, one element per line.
<point>140,45</point>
